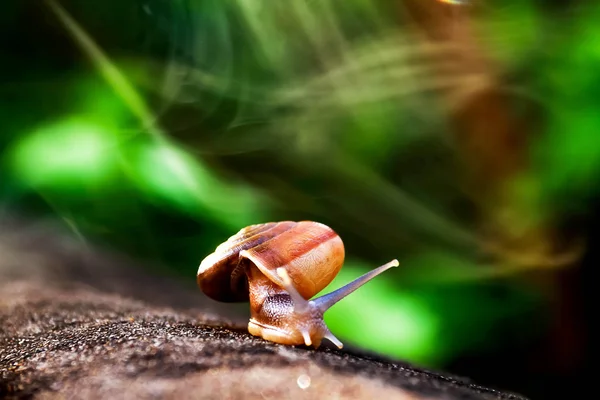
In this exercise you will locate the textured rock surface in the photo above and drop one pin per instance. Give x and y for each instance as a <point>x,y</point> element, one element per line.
<point>75,323</point>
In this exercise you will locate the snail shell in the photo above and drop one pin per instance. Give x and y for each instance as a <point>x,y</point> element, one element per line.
<point>311,253</point>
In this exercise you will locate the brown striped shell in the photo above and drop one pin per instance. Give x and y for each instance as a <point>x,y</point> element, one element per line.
<point>311,253</point>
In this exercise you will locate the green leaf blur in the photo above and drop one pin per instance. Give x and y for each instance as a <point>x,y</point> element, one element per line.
<point>167,128</point>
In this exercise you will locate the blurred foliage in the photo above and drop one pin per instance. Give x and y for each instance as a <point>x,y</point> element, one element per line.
<point>160,128</point>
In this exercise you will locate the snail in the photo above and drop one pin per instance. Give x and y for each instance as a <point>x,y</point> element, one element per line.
<point>278,267</point>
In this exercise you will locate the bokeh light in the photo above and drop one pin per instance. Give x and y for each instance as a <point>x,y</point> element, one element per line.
<point>170,174</point>
<point>64,155</point>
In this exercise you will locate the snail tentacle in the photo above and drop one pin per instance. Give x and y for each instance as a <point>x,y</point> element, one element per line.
<point>301,305</point>
<point>331,337</point>
<point>325,302</point>
<point>306,336</point>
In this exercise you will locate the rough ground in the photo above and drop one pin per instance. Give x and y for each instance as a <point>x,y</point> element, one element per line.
<point>79,323</point>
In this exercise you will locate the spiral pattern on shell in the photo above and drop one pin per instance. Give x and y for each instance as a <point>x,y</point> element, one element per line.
<point>311,253</point>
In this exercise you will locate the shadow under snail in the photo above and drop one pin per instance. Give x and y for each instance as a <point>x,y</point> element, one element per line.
<point>278,267</point>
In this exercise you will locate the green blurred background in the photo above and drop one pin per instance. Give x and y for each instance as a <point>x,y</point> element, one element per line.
<point>461,139</point>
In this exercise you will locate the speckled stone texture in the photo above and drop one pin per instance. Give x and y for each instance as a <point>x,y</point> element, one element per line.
<point>79,323</point>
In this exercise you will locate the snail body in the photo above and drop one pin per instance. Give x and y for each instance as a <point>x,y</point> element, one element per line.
<point>278,267</point>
